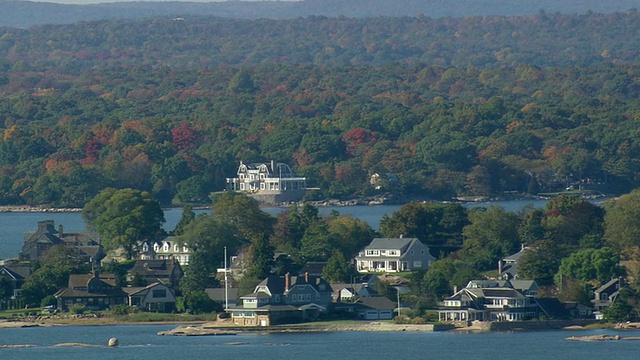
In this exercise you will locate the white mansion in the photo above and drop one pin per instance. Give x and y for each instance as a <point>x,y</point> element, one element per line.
<point>269,183</point>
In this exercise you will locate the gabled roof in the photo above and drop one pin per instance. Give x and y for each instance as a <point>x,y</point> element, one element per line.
<point>217,294</point>
<point>17,272</point>
<point>515,257</point>
<point>608,285</point>
<point>80,285</point>
<point>401,244</point>
<point>276,284</point>
<point>377,302</point>
<point>160,268</point>
<point>313,268</point>
<point>138,289</point>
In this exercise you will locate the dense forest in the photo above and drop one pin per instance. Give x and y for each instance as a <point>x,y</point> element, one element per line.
<point>469,106</point>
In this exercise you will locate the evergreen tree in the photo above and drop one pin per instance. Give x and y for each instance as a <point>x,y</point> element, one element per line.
<point>187,217</point>
<point>337,269</point>
<point>262,258</point>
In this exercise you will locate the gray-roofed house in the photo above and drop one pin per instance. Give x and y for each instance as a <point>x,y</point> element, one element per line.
<point>283,299</point>
<point>167,271</point>
<point>167,248</point>
<point>93,291</point>
<point>394,255</point>
<point>156,297</point>
<point>606,295</point>
<point>46,236</point>
<point>508,267</point>
<point>488,300</point>
<point>223,297</point>
<point>16,274</point>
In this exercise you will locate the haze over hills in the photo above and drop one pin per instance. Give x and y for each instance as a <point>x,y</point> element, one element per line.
<point>26,13</point>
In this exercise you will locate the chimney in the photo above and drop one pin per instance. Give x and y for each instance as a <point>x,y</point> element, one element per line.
<point>60,231</point>
<point>273,166</point>
<point>499,268</point>
<point>287,281</point>
<point>306,277</point>
<point>455,289</point>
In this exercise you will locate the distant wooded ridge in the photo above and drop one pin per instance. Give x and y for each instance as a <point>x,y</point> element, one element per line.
<point>474,106</point>
<point>24,14</point>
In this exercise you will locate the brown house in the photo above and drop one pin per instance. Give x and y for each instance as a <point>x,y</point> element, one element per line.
<point>166,271</point>
<point>93,291</point>
<point>37,243</point>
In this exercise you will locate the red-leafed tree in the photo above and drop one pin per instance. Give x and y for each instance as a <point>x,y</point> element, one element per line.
<point>184,136</point>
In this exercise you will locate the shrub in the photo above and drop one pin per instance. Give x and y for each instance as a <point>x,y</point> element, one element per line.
<point>77,309</point>
<point>49,300</point>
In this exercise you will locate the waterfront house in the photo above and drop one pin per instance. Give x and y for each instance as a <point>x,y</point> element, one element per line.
<point>270,183</point>
<point>508,267</point>
<point>487,300</point>
<point>92,291</point>
<point>394,255</point>
<point>283,299</point>
<point>37,243</point>
<point>606,295</point>
<point>167,271</point>
<point>156,297</point>
<point>166,249</point>
<point>367,308</point>
<point>15,274</point>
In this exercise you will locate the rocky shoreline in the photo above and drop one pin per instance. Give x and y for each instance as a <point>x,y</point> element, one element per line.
<point>216,329</point>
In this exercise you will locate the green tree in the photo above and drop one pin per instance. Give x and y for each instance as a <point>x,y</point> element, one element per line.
<point>188,215</point>
<point>337,269</point>
<point>590,264</point>
<point>198,302</point>
<point>438,226</point>
<point>198,276</point>
<point>622,223</point>
<point>492,235</point>
<point>261,255</point>
<point>208,236</point>
<point>540,262</point>
<point>244,214</point>
<point>123,218</point>
<point>53,274</point>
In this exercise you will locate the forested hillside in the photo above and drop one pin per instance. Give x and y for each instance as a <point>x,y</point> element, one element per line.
<point>471,106</point>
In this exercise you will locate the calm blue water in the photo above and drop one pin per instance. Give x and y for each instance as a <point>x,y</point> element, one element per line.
<point>13,226</point>
<point>141,342</point>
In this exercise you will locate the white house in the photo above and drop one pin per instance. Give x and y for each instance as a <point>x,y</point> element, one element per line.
<point>394,255</point>
<point>268,182</point>
<point>165,249</point>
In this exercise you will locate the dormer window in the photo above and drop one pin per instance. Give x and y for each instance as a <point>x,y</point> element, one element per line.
<point>176,248</point>
<point>165,247</point>
<point>156,247</point>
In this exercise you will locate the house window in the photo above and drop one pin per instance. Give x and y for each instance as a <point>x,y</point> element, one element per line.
<point>417,264</point>
<point>372,252</point>
<point>604,296</point>
<point>422,252</point>
<point>159,293</point>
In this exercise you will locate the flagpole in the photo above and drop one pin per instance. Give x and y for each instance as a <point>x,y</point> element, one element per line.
<point>226,293</point>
